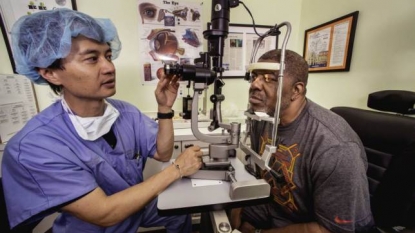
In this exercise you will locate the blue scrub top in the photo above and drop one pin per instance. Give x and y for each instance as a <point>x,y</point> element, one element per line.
<point>47,164</point>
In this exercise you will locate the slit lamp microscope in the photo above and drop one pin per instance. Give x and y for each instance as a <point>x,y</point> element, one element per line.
<point>208,70</point>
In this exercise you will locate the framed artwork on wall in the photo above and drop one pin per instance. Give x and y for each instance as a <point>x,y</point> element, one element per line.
<point>328,47</point>
<point>12,10</point>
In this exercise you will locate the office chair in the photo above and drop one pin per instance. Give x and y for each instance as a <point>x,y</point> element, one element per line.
<point>389,141</point>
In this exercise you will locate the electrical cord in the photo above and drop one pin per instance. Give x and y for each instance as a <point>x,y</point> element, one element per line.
<point>253,21</point>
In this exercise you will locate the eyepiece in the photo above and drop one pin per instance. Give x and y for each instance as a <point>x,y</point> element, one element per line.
<point>173,69</point>
<point>191,73</point>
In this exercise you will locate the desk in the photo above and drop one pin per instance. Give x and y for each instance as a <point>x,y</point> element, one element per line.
<point>181,198</point>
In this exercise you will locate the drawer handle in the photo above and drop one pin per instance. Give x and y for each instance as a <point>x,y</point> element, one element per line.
<point>188,145</point>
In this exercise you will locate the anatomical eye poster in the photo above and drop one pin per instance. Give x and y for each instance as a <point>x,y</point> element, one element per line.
<point>170,32</point>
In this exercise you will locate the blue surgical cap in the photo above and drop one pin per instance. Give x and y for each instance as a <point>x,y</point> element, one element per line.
<point>41,38</point>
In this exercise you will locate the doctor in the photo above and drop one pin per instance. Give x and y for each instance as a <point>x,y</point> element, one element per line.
<point>84,155</point>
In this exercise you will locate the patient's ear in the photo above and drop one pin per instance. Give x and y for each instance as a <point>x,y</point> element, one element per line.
<point>298,90</point>
<point>50,75</point>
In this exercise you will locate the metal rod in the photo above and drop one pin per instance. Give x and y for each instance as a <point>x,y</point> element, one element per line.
<point>280,82</point>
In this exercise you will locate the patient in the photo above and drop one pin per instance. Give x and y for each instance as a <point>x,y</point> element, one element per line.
<point>323,185</point>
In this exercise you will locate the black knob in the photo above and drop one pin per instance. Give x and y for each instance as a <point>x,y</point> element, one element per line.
<point>176,147</point>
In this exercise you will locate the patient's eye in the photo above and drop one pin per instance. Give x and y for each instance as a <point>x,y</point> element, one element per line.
<point>266,77</point>
<point>269,78</point>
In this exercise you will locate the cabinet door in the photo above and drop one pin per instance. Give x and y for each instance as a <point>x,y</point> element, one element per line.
<point>153,166</point>
<point>177,149</point>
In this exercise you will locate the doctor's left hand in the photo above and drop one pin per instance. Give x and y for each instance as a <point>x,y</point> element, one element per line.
<point>166,91</point>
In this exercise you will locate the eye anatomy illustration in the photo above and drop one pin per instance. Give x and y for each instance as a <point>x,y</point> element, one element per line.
<point>190,37</point>
<point>195,15</point>
<point>182,13</point>
<point>164,45</point>
<point>170,32</point>
<point>162,14</point>
<point>148,11</point>
<point>169,19</point>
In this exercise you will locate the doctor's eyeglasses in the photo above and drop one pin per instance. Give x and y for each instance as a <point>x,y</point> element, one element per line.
<point>266,77</point>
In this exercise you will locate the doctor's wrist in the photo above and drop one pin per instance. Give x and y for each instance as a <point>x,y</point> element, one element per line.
<point>175,169</point>
<point>164,109</point>
<point>178,169</point>
<point>169,115</point>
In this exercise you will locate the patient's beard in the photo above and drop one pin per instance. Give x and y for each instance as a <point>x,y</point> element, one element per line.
<point>285,103</point>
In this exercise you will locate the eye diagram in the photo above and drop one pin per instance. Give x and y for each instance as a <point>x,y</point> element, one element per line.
<point>182,13</point>
<point>148,11</point>
<point>170,32</point>
<point>195,14</point>
<point>191,38</point>
<point>164,45</point>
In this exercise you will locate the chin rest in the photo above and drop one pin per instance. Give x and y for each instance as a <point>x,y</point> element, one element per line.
<point>389,141</point>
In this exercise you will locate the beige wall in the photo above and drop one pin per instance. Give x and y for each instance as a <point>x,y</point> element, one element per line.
<point>383,54</point>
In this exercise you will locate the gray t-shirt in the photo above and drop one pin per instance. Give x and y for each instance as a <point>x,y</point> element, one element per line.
<point>323,164</point>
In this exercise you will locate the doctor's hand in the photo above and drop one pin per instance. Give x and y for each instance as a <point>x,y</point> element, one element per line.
<point>189,161</point>
<point>166,91</point>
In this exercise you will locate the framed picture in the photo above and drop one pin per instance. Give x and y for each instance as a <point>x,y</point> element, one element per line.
<point>12,10</point>
<point>329,46</point>
<point>238,48</point>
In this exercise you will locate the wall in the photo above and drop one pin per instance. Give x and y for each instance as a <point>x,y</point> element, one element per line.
<point>383,53</point>
<point>265,12</point>
<point>125,16</point>
<point>384,48</point>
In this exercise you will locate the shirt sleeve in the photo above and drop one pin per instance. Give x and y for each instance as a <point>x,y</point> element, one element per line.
<point>40,173</point>
<point>341,196</point>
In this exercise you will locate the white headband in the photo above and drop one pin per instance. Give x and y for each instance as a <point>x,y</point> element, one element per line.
<point>263,66</point>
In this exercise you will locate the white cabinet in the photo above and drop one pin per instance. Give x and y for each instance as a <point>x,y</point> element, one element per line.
<point>187,144</point>
<point>177,149</point>
<point>184,138</point>
<point>153,166</point>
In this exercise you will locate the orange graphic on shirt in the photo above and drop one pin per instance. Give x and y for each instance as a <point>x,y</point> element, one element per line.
<point>341,221</point>
<point>282,162</point>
